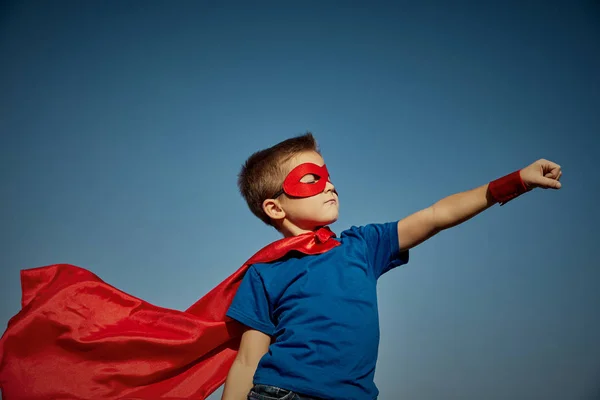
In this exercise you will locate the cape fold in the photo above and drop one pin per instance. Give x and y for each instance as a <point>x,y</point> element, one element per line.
<point>77,337</point>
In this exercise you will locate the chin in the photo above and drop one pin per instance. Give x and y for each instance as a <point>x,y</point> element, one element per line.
<point>329,221</point>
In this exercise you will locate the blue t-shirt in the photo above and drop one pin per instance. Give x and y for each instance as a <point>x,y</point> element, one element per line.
<point>321,311</point>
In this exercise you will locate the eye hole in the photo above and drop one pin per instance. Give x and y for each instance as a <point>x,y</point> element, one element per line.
<point>310,179</point>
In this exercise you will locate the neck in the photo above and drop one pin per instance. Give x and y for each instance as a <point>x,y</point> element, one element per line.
<point>293,231</point>
<point>289,230</point>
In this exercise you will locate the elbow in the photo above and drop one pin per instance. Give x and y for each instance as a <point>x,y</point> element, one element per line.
<point>441,218</point>
<point>250,357</point>
<point>246,360</point>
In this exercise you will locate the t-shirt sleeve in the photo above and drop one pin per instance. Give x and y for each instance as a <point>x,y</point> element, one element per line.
<point>250,306</point>
<point>383,249</point>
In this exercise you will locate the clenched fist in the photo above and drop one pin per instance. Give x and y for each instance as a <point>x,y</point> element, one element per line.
<point>543,174</point>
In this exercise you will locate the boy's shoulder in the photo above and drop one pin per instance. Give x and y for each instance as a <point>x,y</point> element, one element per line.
<point>290,258</point>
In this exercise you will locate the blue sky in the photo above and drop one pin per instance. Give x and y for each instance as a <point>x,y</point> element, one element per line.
<point>124,124</point>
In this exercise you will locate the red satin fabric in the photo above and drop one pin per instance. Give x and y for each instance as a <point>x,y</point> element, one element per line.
<point>77,337</point>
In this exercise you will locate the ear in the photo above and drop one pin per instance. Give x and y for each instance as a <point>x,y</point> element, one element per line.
<point>273,209</point>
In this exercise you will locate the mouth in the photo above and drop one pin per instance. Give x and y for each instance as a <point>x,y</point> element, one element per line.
<point>331,201</point>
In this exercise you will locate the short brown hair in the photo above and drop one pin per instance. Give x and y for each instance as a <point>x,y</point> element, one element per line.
<point>264,171</point>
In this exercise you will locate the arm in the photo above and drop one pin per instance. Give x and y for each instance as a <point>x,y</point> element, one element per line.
<point>253,346</point>
<point>460,207</point>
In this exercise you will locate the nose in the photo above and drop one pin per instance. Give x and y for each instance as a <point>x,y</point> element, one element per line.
<point>329,187</point>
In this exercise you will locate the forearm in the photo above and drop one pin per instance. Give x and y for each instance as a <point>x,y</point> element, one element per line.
<point>460,207</point>
<point>239,381</point>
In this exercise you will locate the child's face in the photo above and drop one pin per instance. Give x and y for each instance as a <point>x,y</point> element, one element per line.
<point>309,213</point>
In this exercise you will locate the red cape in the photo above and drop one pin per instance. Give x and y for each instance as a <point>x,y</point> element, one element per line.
<point>77,337</point>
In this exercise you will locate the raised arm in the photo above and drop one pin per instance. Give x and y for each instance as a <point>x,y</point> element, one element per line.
<point>253,346</point>
<point>458,208</point>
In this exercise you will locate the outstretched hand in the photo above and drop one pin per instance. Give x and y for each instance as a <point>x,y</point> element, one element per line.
<point>543,174</point>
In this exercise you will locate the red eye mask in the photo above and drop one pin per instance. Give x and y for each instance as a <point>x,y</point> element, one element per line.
<point>293,186</point>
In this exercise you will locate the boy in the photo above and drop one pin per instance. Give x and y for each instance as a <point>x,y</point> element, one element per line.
<point>312,323</point>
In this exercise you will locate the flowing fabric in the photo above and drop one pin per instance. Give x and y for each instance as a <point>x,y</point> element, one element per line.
<point>76,337</point>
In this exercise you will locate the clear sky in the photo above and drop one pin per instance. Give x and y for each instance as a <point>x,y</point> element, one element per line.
<point>124,124</point>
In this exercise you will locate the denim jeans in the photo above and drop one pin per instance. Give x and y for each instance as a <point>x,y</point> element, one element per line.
<point>266,392</point>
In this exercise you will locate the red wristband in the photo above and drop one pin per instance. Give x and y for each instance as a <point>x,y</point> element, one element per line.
<point>507,188</point>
